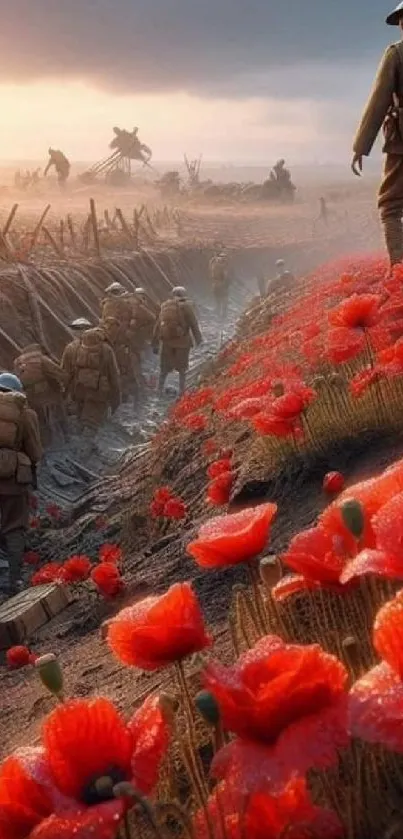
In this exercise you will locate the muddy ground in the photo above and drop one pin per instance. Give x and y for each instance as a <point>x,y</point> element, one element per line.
<point>153,563</point>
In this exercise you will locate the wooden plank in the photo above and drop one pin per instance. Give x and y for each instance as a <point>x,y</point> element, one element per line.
<point>23,614</point>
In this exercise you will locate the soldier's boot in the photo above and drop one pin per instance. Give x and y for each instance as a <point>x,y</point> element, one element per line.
<point>393,232</point>
<point>182,383</point>
<point>15,547</point>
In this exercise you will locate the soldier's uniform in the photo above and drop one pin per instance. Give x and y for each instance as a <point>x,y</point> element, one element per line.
<point>220,281</point>
<point>92,378</point>
<point>119,340</point>
<point>176,330</point>
<point>384,108</point>
<point>20,451</point>
<point>43,381</point>
<point>141,332</point>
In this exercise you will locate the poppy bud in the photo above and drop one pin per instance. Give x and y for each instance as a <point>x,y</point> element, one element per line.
<point>207,707</point>
<point>50,673</point>
<point>269,572</point>
<point>352,514</point>
<point>336,381</point>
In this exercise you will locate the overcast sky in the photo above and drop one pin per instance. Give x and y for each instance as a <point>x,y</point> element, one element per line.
<point>295,72</point>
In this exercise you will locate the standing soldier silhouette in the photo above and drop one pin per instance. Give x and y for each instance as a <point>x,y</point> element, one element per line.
<point>385,109</point>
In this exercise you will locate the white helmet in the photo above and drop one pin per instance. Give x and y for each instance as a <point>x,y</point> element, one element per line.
<point>179,291</point>
<point>115,289</point>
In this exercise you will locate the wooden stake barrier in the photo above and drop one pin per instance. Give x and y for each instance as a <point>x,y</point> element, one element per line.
<point>94,223</point>
<point>38,229</point>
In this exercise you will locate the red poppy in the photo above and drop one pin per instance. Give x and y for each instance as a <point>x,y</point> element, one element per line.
<point>24,803</point>
<point>196,422</point>
<point>16,658</point>
<point>107,579</point>
<point>100,523</point>
<point>375,708</point>
<point>34,523</point>
<point>363,380</point>
<point>318,555</point>
<point>162,495</point>
<point>388,633</point>
<point>269,424</point>
<point>110,553</point>
<point>264,816</point>
<point>175,508</point>
<point>32,558</point>
<point>228,540</point>
<point>52,572</point>
<point>333,483</point>
<point>84,741</point>
<point>156,509</point>
<point>372,495</point>
<point>76,569</point>
<point>219,467</point>
<point>53,511</point>
<point>159,630</point>
<point>219,490</point>
<point>360,311</point>
<point>292,584</point>
<point>287,705</point>
<point>289,406</point>
<point>343,345</point>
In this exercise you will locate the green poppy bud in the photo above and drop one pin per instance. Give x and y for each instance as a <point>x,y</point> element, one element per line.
<point>207,706</point>
<point>269,571</point>
<point>352,514</point>
<point>50,673</point>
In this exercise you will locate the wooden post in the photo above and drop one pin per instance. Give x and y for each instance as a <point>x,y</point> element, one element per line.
<point>123,222</point>
<point>94,223</point>
<point>38,229</point>
<point>107,219</point>
<point>136,229</point>
<point>70,225</point>
<point>61,234</point>
<point>86,234</point>
<point>51,239</point>
<point>10,219</point>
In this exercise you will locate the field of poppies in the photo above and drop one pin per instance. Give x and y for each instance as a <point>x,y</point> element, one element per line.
<point>300,735</point>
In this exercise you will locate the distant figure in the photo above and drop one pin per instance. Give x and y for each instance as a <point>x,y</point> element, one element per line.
<point>61,164</point>
<point>283,281</point>
<point>220,282</point>
<point>323,212</point>
<point>385,108</point>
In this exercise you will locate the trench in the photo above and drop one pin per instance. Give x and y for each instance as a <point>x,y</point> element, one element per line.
<point>38,302</point>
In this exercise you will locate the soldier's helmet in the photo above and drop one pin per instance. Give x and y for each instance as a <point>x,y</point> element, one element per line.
<point>395,17</point>
<point>115,289</point>
<point>10,383</point>
<point>280,263</point>
<point>140,291</point>
<point>180,292</point>
<point>80,323</point>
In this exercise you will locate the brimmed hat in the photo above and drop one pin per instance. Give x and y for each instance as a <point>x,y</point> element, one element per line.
<point>394,18</point>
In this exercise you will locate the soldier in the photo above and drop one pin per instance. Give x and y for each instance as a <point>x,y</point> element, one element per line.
<point>141,329</point>
<point>176,327</point>
<point>117,304</point>
<point>384,108</point>
<point>61,164</point>
<point>92,379</point>
<point>118,339</point>
<point>20,451</point>
<point>220,280</point>
<point>283,281</point>
<point>43,382</point>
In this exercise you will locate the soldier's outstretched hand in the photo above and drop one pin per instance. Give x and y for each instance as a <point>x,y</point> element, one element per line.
<point>356,165</point>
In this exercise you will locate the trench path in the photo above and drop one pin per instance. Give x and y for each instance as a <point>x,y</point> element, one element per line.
<point>65,474</point>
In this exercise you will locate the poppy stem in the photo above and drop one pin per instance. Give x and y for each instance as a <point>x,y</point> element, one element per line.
<point>258,599</point>
<point>197,772</point>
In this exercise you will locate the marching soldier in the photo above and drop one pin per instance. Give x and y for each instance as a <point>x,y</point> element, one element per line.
<point>43,382</point>
<point>176,330</point>
<point>384,108</point>
<point>20,451</point>
<point>92,379</point>
<point>283,281</point>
